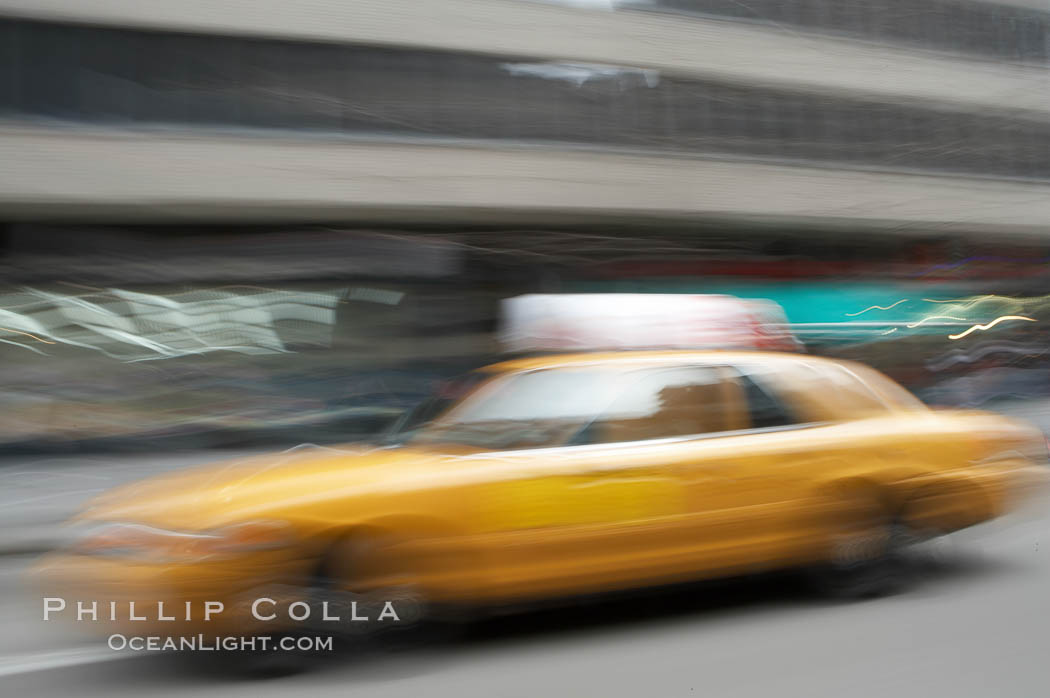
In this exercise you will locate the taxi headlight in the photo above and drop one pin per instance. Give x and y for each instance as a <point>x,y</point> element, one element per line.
<point>148,543</point>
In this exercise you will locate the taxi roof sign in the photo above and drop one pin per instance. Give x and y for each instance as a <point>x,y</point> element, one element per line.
<point>612,321</point>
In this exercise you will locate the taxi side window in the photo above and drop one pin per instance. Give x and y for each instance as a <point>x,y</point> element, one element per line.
<point>660,404</point>
<point>764,406</point>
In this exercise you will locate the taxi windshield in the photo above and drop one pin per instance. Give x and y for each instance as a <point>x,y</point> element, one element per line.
<point>526,410</point>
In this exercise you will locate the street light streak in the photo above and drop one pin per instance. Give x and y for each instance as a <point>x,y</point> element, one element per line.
<point>990,325</point>
<point>935,317</point>
<point>39,339</point>
<point>879,307</point>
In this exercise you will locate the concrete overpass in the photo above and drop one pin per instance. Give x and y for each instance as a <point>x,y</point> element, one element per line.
<point>52,174</point>
<point>756,55</point>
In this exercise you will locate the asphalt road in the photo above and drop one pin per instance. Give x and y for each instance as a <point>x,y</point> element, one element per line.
<point>975,622</point>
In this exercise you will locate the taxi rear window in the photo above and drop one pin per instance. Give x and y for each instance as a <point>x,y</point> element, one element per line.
<point>817,392</point>
<point>888,390</point>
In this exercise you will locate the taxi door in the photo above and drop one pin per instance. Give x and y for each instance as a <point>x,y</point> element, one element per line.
<point>611,508</point>
<point>748,490</point>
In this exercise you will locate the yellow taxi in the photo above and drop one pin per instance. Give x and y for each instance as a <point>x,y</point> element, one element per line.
<point>549,477</point>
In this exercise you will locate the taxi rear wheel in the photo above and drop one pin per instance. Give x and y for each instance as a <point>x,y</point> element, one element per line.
<point>865,550</point>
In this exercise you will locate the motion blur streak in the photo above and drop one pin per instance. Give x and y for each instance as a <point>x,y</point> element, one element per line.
<point>878,307</point>
<point>665,320</point>
<point>931,318</point>
<point>990,325</point>
<point>202,321</point>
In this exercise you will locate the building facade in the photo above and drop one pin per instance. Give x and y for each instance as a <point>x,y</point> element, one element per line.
<point>892,115</point>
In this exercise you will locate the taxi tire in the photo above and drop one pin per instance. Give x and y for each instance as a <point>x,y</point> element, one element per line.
<point>432,625</point>
<point>865,553</point>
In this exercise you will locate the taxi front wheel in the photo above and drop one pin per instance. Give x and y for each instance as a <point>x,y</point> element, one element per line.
<point>369,571</point>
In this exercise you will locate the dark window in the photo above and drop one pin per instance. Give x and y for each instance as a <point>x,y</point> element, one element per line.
<point>966,26</point>
<point>86,74</point>
<point>765,408</point>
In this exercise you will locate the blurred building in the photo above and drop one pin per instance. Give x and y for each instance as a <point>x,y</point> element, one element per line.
<point>931,116</point>
<point>254,215</point>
